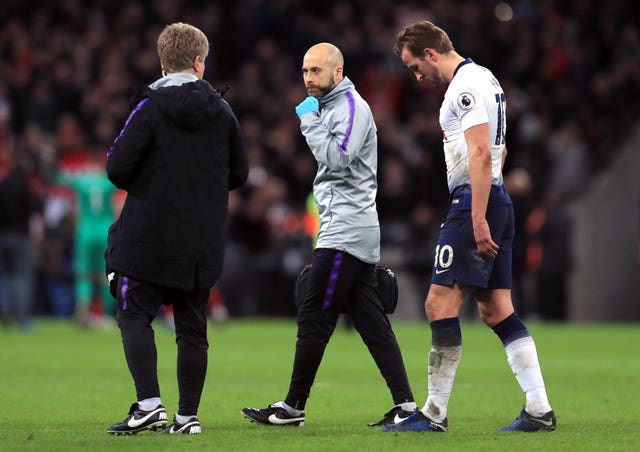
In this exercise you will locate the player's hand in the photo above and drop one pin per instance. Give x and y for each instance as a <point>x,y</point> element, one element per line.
<point>309,105</point>
<point>486,246</point>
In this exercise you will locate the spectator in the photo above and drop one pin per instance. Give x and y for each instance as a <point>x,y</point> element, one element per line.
<point>20,233</point>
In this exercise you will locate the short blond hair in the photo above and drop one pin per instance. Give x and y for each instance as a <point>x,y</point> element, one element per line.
<point>179,44</point>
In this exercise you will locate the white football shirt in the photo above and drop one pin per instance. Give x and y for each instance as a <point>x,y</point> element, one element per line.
<point>473,97</point>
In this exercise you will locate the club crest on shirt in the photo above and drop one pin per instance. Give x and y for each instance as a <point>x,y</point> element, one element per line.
<point>466,101</point>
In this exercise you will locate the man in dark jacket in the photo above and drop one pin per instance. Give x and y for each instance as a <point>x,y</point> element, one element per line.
<point>178,155</point>
<point>20,211</point>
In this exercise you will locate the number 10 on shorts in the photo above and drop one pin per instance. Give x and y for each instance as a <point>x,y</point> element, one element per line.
<point>444,256</point>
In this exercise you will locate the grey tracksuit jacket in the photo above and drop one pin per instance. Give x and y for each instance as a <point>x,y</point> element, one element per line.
<point>344,142</point>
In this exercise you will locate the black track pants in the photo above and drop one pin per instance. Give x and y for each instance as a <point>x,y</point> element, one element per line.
<point>339,282</point>
<point>138,305</point>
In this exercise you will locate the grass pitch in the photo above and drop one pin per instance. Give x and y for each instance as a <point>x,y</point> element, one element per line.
<point>61,387</point>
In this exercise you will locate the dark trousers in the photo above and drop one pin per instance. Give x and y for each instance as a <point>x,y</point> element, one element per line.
<point>339,282</point>
<point>138,305</point>
<point>17,274</point>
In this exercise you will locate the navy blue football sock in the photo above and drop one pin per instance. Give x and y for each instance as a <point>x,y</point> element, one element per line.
<point>446,332</point>
<point>511,329</point>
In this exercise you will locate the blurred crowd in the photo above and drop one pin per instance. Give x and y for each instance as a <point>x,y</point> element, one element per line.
<point>570,70</point>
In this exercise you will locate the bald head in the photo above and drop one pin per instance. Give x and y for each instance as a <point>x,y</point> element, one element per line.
<point>322,67</point>
<point>326,52</point>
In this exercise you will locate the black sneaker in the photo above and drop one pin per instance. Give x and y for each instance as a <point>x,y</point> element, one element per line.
<point>139,420</point>
<point>394,416</point>
<point>191,427</point>
<point>274,414</point>
<point>528,423</point>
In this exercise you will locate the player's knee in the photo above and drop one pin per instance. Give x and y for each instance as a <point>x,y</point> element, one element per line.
<point>491,315</point>
<point>439,308</point>
<point>443,302</point>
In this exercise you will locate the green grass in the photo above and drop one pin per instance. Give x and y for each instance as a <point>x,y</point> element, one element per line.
<point>60,387</point>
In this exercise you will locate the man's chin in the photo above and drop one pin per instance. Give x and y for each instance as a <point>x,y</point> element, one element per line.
<point>314,92</point>
<point>437,82</point>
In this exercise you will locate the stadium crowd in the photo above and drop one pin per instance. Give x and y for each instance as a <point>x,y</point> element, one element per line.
<point>570,70</point>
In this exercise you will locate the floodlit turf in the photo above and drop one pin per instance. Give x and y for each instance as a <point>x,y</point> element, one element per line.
<point>61,387</point>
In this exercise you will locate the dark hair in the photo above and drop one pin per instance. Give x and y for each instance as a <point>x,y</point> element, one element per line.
<point>421,35</point>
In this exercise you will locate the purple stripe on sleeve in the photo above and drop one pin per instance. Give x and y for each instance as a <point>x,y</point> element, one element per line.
<point>123,291</point>
<point>333,278</point>
<point>352,111</point>
<point>126,123</point>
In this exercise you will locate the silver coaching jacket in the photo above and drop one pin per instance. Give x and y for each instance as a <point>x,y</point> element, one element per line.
<point>344,142</point>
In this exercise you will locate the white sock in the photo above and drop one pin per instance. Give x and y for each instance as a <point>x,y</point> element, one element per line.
<point>292,411</point>
<point>443,364</point>
<point>408,406</point>
<point>183,418</point>
<point>523,359</point>
<point>149,404</point>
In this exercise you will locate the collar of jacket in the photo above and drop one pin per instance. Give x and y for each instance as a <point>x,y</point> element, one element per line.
<point>342,87</point>
<point>175,79</point>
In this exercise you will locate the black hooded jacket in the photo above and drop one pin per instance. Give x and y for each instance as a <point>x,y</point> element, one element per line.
<point>178,155</point>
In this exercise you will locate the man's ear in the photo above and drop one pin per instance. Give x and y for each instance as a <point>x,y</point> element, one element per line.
<point>430,54</point>
<point>198,66</point>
